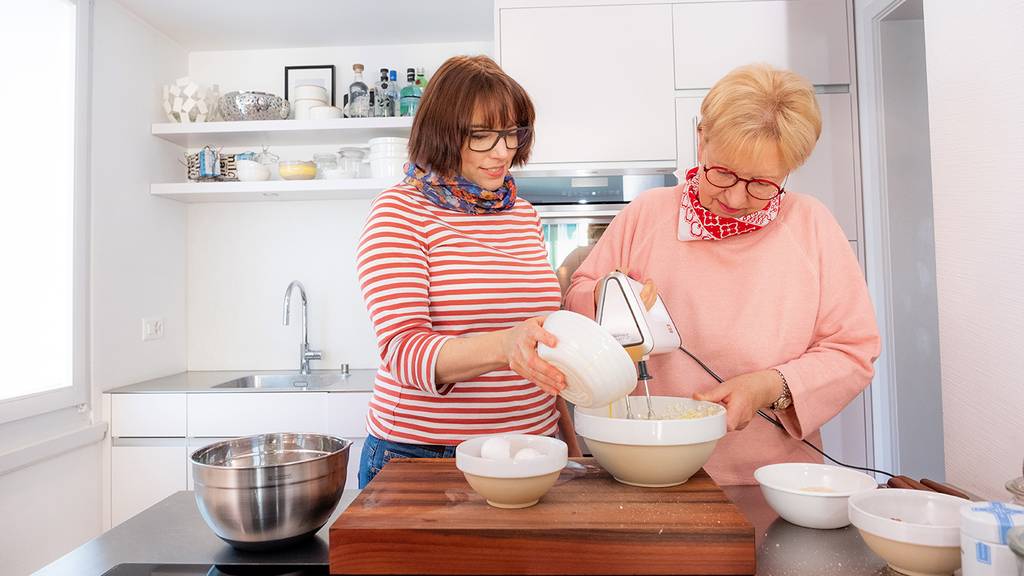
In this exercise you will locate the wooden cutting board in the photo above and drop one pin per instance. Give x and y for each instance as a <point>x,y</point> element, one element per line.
<point>421,517</point>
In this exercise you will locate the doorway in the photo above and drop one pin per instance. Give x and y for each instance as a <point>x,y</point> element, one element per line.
<point>899,228</point>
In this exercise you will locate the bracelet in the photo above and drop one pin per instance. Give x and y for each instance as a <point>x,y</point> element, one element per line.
<point>785,400</point>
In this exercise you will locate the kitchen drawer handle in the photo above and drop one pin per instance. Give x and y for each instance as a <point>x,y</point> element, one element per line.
<point>695,159</point>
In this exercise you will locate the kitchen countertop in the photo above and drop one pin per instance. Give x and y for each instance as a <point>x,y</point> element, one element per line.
<point>205,380</point>
<point>173,532</point>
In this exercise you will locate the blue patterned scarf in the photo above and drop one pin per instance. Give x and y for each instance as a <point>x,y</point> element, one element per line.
<point>460,194</point>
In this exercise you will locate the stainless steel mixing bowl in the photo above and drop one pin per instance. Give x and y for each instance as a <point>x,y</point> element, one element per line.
<point>267,491</point>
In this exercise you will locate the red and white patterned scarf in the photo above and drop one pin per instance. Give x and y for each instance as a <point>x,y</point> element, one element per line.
<point>698,223</point>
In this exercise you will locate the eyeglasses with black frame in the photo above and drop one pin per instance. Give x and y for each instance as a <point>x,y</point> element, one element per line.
<point>486,140</point>
<point>760,188</point>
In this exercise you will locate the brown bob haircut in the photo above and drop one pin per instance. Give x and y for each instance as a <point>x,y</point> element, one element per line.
<point>444,119</point>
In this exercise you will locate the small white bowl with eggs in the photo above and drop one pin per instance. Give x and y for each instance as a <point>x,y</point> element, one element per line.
<point>511,470</point>
<point>812,495</point>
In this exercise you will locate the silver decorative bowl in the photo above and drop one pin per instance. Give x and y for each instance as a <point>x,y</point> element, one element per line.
<point>253,106</point>
<point>271,490</point>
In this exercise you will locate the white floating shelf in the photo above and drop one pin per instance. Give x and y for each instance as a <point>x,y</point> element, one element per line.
<point>254,133</point>
<point>273,190</point>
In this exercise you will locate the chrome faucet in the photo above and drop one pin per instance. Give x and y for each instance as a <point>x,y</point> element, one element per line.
<point>305,354</point>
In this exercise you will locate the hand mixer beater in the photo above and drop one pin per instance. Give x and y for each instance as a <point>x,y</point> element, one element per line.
<point>640,331</point>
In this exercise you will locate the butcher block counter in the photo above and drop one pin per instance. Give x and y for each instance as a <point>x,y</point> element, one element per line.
<point>172,533</point>
<point>421,517</point>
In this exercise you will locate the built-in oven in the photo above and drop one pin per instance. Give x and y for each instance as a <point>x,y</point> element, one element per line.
<point>576,206</point>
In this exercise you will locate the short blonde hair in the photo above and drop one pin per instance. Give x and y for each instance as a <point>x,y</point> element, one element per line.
<point>757,106</point>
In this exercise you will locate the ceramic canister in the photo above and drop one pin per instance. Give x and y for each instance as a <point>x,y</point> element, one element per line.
<point>983,538</point>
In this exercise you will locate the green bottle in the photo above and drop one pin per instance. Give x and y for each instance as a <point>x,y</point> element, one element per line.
<point>409,100</point>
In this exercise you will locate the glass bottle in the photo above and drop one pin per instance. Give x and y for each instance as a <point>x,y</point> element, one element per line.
<point>393,96</point>
<point>421,78</point>
<point>411,94</point>
<point>358,100</point>
<point>381,105</point>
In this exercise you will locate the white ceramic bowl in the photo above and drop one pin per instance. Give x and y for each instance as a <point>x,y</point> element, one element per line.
<point>302,107</point>
<point>651,453</point>
<point>506,483</point>
<point>308,92</point>
<point>916,532</point>
<point>251,171</point>
<point>598,371</point>
<point>389,146</point>
<point>324,112</point>
<point>387,167</point>
<point>812,495</point>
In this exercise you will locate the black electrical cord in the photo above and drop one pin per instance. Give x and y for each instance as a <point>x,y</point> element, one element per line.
<point>778,424</point>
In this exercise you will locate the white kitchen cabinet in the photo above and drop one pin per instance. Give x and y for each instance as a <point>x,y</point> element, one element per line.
<point>347,413</point>
<point>143,473</point>
<point>829,174</point>
<point>147,415</point>
<point>599,76</point>
<point>245,414</point>
<point>807,36</point>
<point>687,116</point>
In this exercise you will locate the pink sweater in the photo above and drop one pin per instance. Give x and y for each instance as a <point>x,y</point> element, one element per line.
<point>790,296</point>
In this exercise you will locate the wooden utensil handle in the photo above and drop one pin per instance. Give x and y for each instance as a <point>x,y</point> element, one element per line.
<point>915,484</point>
<point>943,488</point>
<point>899,482</point>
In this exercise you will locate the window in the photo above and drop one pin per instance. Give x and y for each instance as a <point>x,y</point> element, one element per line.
<point>44,208</point>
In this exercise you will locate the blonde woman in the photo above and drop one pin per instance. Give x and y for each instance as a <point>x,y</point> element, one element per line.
<point>761,281</point>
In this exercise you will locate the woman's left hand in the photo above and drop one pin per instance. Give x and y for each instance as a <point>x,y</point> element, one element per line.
<point>744,395</point>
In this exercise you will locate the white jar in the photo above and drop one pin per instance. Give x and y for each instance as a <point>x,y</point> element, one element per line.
<point>984,527</point>
<point>389,147</point>
<point>387,166</point>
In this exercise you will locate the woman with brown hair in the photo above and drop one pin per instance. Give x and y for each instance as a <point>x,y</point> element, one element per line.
<point>454,273</point>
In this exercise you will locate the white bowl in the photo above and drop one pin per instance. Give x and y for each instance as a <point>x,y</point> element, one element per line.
<point>651,453</point>
<point>387,167</point>
<point>916,532</point>
<point>302,108</point>
<point>507,483</point>
<point>324,112</point>
<point>812,495</point>
<point>308,92</point>
<point>251,171</point>
<point>598,371</point>
<point>389,146</point>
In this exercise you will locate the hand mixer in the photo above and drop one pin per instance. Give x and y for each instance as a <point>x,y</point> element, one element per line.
<point>640,331</point>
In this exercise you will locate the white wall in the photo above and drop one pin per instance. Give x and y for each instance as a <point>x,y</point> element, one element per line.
<point>241,256</point>
<point>138,251</point>
<point>49,509</point>
<point>914,345</point>
<point>138,245</point>
<point>975,81</point>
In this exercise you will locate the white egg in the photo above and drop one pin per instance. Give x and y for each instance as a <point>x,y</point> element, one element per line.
<point>527,454</point>
<point>497,448</point>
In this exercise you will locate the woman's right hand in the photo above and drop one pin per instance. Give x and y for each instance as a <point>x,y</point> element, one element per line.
<point>648,295</point>
<point>520,350</point>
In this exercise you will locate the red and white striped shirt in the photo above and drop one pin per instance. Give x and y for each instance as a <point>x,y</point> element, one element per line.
<point>428,274</point>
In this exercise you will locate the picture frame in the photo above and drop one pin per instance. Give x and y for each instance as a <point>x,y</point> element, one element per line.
<point>319,75</point>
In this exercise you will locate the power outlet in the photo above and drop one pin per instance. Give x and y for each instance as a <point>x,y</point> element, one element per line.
<point>152,328</point>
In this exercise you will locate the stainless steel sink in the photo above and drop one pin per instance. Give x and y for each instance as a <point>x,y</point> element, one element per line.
<point>294,381</point>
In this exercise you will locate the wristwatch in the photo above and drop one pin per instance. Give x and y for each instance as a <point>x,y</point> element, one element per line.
<point>785,400</point>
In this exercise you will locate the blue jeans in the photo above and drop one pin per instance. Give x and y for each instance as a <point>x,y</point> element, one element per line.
<point>376,453</point>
